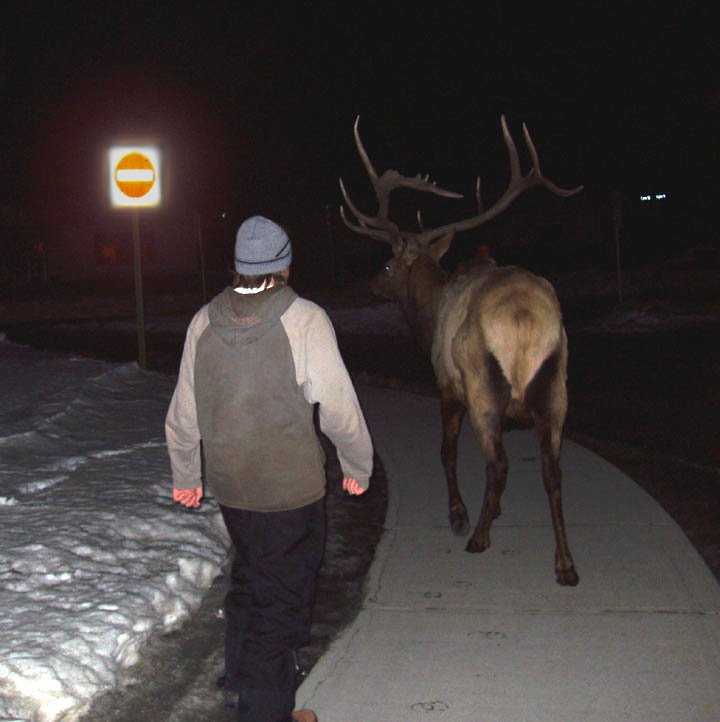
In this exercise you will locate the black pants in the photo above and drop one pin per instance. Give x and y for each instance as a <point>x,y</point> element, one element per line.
<point>267,610</point>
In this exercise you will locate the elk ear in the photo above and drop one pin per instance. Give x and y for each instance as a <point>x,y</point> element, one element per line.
<point>438,249</point>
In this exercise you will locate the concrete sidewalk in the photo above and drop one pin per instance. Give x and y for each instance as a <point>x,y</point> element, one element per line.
<point>447,635</point>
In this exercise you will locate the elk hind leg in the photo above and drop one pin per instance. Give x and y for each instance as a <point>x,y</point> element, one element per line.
<point>453,413</point>
<point>546,399</point>
<point>489,396</point>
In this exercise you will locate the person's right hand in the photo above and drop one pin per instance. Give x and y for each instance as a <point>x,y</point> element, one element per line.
<point>351,486</point>
<point>188,497</point>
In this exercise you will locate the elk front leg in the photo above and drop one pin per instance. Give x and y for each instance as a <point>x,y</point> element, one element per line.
<point>453,413</point>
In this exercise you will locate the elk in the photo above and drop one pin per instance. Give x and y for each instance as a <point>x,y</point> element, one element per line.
<point>494,334</point>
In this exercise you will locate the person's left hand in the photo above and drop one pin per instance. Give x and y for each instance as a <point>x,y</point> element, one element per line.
<point>188,497</point>
<point>351,486</point>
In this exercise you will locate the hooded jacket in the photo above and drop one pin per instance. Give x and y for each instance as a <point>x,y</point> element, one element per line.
<point>253,369</point>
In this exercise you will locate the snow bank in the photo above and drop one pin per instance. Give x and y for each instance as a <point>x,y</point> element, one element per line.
<point>94,556</point>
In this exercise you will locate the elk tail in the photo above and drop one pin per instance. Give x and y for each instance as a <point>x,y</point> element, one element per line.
<point>521,344</point>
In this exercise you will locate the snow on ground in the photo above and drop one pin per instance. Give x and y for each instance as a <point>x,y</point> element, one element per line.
<point>649,317</point>
<point>94,556</point>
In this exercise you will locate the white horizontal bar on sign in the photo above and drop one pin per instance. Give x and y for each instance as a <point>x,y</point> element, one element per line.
<point>138,175</point>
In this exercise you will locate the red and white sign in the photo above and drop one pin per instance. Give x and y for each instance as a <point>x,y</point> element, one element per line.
<point>134,176</point>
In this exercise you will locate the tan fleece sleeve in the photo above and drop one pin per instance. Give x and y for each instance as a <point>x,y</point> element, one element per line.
<point>181,428</point>
<point>322,374</point>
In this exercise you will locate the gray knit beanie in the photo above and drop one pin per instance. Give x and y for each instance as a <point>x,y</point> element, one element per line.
<point>261,247</point>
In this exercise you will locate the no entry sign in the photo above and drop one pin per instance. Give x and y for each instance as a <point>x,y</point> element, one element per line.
<point>134,176</point>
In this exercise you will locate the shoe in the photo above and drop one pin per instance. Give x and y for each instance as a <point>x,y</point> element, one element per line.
<point>304,715</point>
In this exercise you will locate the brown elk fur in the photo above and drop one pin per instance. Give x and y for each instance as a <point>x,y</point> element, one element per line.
<point>499,349</point>
<point>495,337</point>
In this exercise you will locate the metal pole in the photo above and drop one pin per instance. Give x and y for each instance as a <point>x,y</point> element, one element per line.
<point>137,262</point>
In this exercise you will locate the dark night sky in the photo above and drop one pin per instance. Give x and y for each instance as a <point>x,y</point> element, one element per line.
<point>254,105</point>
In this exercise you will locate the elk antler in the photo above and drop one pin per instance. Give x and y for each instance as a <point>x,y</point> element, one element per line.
<point>382,228</point>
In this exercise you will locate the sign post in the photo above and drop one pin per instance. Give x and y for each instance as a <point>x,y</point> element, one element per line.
<point>139,306</point>
<point>135,183</point>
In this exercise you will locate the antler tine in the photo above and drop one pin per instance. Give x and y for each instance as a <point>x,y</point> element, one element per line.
<point>380,226</point>
<point>365,220</point>
<point>478,196</point>
<point>375,227</point>
<point>557,190</point>
<point>363,154</point>
<point>517,185</point>
<point>515,173</point>
<point>383,200</point>
<point>392,179</point>
<point>418,183</point>
<point>364,230</point>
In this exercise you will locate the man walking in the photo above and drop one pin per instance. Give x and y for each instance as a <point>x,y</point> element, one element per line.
<point>257,361</point>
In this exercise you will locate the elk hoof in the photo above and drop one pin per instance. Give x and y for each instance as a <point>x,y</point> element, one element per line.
<point>567,577</point>
<point>475,547</point>
<point>459,522</point>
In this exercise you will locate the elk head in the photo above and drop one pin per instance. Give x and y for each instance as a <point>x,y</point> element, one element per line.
<point>421,250</point>
<point>393,280</point>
